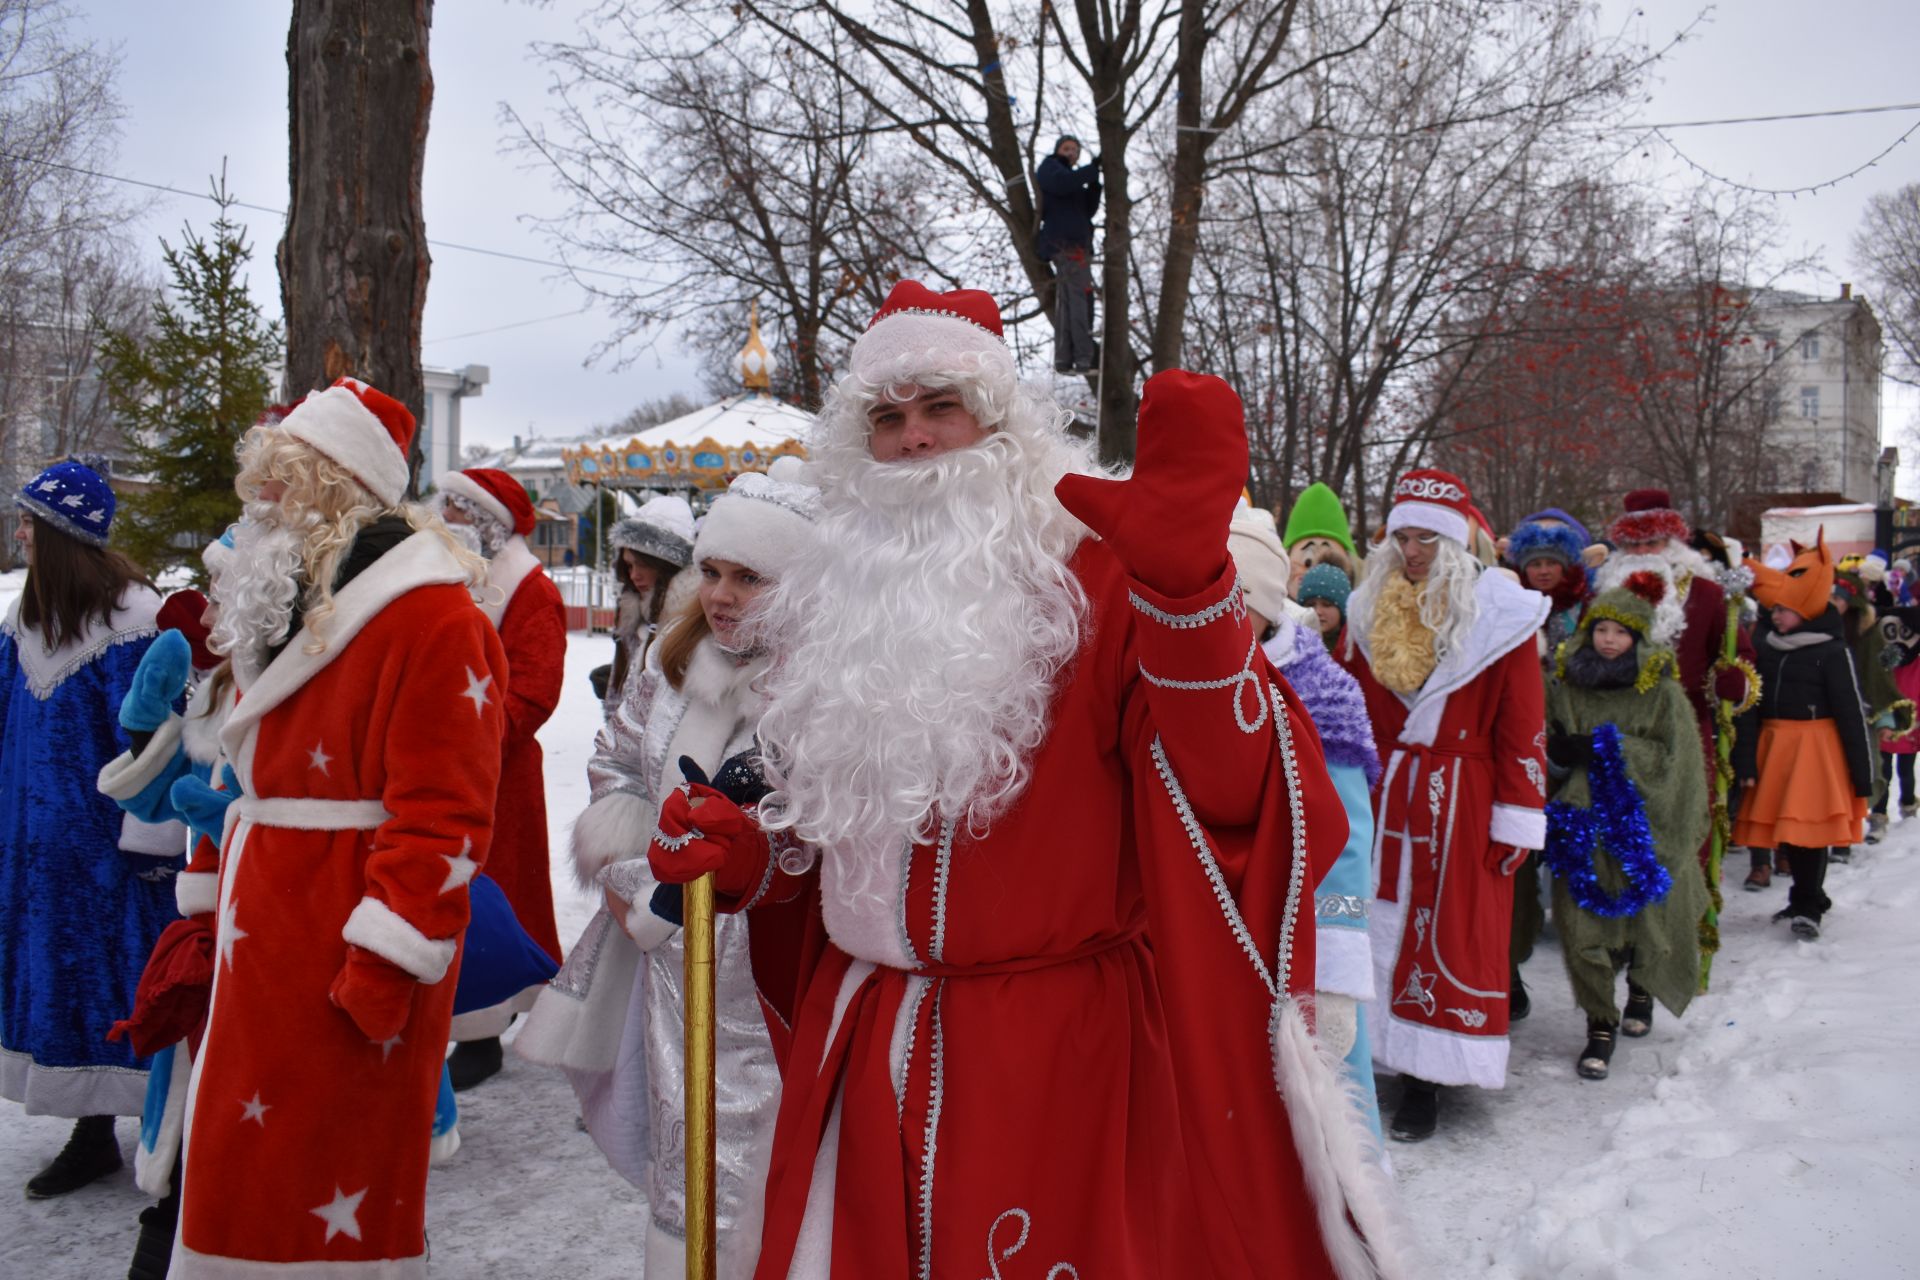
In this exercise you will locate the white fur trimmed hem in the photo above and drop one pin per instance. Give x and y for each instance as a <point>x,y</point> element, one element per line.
<point>617,826</point>
<point>377,927</point>
<point>189,1265</point>
<point>1512,824</point>
<point>127,775</point>
<point>1435,1054</point>
<point>196,892</point>
<point>1343,961</point>
<point>444,1146</point>
<point>71,1091</point>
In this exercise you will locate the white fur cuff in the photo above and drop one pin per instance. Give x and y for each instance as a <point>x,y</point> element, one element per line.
<point>377,927</point>
<point>1515,825</point>
<point>196,892</point>
<point>618,825</point>
<point>127,774</point>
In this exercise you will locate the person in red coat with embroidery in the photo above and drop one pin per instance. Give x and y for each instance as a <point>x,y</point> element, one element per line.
<point>341,893</point>
<point>1046,824</point>
<point>1445,650</point>
<point>490,511</point>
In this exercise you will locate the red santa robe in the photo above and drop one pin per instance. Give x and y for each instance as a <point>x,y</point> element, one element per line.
<point>365,812</point>
<point>1465,782</point>
<point>1058,1039</point>
<point>524,605</point>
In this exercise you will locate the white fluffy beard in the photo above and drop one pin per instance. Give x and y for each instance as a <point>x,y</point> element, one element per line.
<point>484,536</point>
<point>254,588</point>
<point>919,639</point>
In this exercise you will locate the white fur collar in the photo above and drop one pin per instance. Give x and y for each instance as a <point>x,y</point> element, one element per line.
<point>722,712</point>
<point>420,561</point>
<point>510,566</point>
<point>1510,614</point>
<point>47,669</point>
<point>716,677</point>
<point>200,734</point>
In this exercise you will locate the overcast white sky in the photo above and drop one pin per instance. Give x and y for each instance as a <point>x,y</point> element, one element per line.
<point>206,79</point>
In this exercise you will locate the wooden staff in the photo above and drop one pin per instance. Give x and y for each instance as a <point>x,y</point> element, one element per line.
<point>697,912</point>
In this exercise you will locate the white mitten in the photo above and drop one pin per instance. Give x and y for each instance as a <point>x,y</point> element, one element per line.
<point>1336,1021</point>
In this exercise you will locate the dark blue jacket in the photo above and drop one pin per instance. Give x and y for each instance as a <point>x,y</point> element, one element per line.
<point>1069,198</point>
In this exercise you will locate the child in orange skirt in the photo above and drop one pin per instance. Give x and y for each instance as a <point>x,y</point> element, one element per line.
<point>1802,755</point>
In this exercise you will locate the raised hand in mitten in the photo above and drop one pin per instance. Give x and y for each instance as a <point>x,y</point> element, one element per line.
<point>1167,522</point>
<point>204,809</point>
<point>157,681</point>
<point>700,831</point>
<point>375,993</point>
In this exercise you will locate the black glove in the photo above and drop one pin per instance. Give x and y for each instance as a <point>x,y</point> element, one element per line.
<point>598,678</point>
<point>1568,750</point>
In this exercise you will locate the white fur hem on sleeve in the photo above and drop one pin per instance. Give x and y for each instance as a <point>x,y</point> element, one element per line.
<point>1515,825</point>
<point>377,927</point>
<point>152,839</point>
<point>128,774</point>
<point>196,892</point>
<point>617,825</point>
<point>1343,961</point>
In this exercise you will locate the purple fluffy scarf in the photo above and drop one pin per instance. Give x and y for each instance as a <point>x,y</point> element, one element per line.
<point>1332,698</point>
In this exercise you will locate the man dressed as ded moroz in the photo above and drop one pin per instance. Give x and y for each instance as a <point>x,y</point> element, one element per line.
<point>1005,754</point>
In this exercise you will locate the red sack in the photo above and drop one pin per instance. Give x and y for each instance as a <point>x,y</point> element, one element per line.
<point>175,988</point>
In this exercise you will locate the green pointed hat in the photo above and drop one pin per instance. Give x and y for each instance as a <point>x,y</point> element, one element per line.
<point>1317,513</point>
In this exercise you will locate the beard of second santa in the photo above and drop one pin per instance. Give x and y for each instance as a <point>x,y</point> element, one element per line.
<point>919,640</point>
<point>255,588</point>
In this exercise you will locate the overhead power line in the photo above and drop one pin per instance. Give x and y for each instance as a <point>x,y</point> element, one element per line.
<point>1795,115</point>
<point>282,213</point>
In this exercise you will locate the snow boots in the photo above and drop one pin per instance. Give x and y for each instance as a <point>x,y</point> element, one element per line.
<point>1876,828</point>
<point>1761,875</point>
<point>1637,1020</point>
<point>1807,899</point>
<point>1419,1112</point>
<point>1909,808</point>
<point>1841,853</point>
<point>1596,1057</point>
<point>91,1153</point>
<point>1519,1003</point>
<point>473,1061</point>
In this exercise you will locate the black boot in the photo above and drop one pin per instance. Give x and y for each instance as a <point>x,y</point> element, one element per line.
<point>91,1153</point>
<point>473,1061</point>
<point>1419,1112</point>
<point>1519,1003</point>
<point>1841,853</point>
<point>1637,1020</point>
<point>154,1248</point>
<point>1594,1059</point>
<point>1807,899</point>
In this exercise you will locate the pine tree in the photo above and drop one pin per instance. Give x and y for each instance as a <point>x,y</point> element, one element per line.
<point>186,392</point>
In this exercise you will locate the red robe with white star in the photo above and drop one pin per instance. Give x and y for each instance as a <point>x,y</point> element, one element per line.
<point>366,811</point>
<point>1058,1039</point>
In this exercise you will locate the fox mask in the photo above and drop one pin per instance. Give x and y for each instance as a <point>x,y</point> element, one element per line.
<point>1804,586</point>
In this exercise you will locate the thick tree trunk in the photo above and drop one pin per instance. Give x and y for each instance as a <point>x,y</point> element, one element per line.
<point>354,260</point>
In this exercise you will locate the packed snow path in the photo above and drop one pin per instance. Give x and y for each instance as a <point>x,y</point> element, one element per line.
<point>1774,1131</point>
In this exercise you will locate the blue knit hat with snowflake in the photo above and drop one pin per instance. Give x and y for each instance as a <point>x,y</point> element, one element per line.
<point>73,498</point>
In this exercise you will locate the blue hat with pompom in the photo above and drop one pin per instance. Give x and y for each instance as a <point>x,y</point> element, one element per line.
<point>1556,542</point>
<point>1325,582</point>
<point>73,498</point>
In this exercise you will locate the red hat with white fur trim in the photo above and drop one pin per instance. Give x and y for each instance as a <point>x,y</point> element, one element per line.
<point>943,337</point>
<point>363,429</point>
<point>496,493</point>
<point>1650,516</point>
<point>1430,499</point>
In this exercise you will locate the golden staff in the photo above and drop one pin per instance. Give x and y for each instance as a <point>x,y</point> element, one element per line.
<point>697,913</point>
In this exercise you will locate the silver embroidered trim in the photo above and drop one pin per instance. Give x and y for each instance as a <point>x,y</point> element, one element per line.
<point>575,978</point>
<point>627,879</point>
<point>920,988</point>
<point>942,870</point>
<point>673,844</point>
<point>42,684</point>
<point>900,917</point>
<point>1475,1018</point>
<point>766,883</point>
<point>1535,774</point>
<point>1237,682</point>
<point>936,1092</point>
<point>1296,877</point>
<point>1230,603</point>
<point>1340,906</point>
<point>994,1259</point>
<point>1198,839</point>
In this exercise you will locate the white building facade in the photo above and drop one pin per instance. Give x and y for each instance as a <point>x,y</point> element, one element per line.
<point>1827,355</point>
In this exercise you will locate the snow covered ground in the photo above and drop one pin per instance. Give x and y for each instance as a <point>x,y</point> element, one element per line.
<point>1774,1131</point>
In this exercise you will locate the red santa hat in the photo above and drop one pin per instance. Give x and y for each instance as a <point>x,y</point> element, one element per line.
<point>1649,516</point>
<point>182,612</point>
<point>942,339</point>
<point>1430,499</point>
<point>363,429</point>
<point>496,494</point>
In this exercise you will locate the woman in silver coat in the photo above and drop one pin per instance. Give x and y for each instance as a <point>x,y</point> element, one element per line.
<point>613,1016</point>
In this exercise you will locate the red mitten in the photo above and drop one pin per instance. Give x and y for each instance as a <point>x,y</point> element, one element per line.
<point>175,988</point>
<point>1730,685</point>
<point>1505,859</point>
<point>701,830</point>
<point>1168,521</point>
<point>375,993</point>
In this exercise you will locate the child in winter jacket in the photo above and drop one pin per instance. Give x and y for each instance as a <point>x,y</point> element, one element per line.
<point>1626,823</point>
<point>1889,713</point>
<point>1803,758</point>
<point>1324,588</point>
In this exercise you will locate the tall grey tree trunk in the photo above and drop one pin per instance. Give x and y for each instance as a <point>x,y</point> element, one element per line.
<point>354,261</point>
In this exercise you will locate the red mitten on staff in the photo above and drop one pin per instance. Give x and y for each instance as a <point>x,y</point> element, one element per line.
<point>700,830</point>
<point>1730,685</point>
<point>375,993</point>
<point>1168,521</point>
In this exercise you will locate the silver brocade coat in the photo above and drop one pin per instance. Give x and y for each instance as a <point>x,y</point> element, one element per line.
<point>613,1016</point>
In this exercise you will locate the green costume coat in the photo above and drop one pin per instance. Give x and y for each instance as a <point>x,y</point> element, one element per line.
<point>1660,742</point>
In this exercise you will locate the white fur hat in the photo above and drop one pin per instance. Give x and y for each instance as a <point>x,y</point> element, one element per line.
<point>1253,540</point>
<point>761,521</point>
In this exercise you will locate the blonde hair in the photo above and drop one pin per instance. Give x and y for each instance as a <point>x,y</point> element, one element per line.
<point>682,634</point>
<point>328,508</point>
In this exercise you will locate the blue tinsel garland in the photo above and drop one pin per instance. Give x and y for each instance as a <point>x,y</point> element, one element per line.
<point>1617,818</point>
